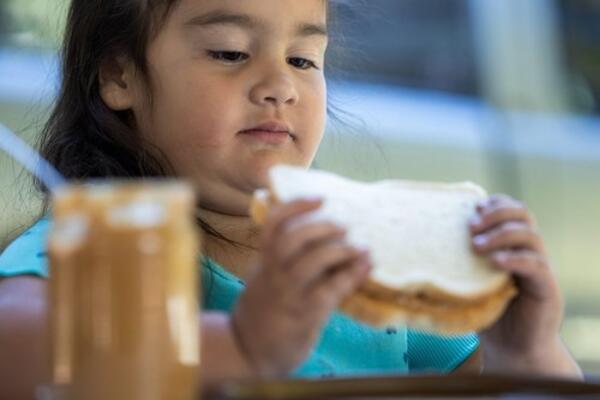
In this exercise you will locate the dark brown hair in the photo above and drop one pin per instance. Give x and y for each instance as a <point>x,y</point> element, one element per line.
<point>83,138</point>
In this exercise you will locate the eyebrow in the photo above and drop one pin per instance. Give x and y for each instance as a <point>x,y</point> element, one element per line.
<point>306,29</point>
<point>245,21</point>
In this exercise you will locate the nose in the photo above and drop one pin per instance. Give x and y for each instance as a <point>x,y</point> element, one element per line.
<point>276,89</point>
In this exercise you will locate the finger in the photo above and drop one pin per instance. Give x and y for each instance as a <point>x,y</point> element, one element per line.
<point>498,212</point>
<point>490,200</point>
<point>277,218</point>
<point>506,236</point>
<point>340,283</point>
<point>497,198</point>
<point>315,264</point>
<point>532,269</point>
<point>299,239</point>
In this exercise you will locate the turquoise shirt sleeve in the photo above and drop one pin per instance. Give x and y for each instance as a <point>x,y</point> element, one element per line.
<point>27,254</point>
<point>438,354</point>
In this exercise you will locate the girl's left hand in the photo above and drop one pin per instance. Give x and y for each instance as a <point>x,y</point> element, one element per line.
<point>505,231</point>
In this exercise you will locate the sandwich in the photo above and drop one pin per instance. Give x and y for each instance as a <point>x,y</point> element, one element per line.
<point>424,274</point>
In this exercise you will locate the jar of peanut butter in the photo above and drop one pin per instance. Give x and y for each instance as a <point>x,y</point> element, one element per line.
<point>124,291</point>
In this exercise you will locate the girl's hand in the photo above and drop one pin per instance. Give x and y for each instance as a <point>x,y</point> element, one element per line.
<point>505,231</point>
<point>304,272</point>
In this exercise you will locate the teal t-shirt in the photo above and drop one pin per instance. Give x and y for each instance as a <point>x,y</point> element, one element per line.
<point>345,347</point>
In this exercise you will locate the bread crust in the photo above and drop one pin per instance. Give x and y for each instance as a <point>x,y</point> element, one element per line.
<point>423,307</point>
<point>260,204</point>
<point>445,318</point>
<point>429,291</point>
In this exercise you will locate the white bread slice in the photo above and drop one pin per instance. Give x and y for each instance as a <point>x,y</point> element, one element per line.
<point>417,232</point>
<point>420,246</point>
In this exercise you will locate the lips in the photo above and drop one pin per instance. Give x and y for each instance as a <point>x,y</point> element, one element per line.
<point>270,126</point>
<point>273,132</point>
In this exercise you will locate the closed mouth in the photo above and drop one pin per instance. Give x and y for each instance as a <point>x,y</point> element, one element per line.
<point>268,129</point>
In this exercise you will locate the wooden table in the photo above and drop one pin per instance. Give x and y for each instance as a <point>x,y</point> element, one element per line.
<point>395,387</point>
<point>407,387</point>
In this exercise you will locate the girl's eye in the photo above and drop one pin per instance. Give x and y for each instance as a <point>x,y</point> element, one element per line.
<point>301,63</point>
<point>228,56</point>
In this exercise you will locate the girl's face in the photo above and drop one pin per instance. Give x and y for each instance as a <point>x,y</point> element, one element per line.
<point>221,67</point>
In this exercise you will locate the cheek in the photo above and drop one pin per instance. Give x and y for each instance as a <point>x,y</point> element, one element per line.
<point>189,124</point>
<point>196,114</point>
<point>314,111</point>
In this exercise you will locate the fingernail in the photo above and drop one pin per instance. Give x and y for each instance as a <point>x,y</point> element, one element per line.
<point>366,266</point>
<point>362,249</point>
<point>340,227</point>
<point>501,257</point>
<point>474,221</point>
<point>480,240</point>
<point>481,204</point>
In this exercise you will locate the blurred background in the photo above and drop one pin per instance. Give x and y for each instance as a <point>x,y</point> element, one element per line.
<point>502,93</point>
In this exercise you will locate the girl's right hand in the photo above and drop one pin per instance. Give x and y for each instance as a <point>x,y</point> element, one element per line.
<point>305,270</point>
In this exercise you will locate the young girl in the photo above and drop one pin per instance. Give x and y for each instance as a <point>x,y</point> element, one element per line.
<point>217,91</point>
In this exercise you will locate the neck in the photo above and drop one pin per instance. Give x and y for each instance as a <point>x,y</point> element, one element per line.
<point>237,253</point>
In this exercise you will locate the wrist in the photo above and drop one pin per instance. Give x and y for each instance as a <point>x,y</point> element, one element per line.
<point>221,357</point>
<point>240,347</point>
<point>550,359</point>
<point>259,367</point>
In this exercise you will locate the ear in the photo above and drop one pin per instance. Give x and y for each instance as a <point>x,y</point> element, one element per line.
<point>117,83</point>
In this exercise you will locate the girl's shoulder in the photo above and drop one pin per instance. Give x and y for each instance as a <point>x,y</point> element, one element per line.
<point>26,255</point>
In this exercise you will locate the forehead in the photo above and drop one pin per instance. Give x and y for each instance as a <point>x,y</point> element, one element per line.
<point>263,14</point>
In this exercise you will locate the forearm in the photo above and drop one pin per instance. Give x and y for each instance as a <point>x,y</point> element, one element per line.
<point>221,357</point>
<point>23,338</point>
<point>554,360</point>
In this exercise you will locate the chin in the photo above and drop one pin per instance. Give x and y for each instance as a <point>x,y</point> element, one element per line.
<point>260,170</point>
<point>260,178</point>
